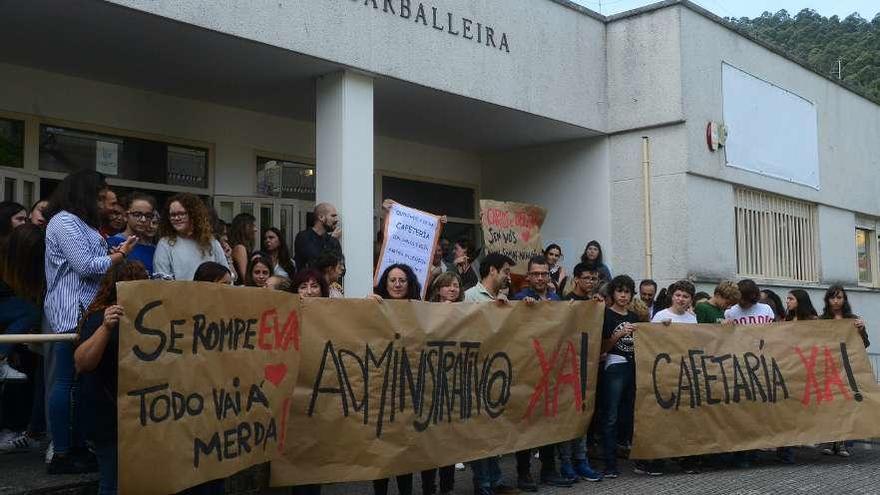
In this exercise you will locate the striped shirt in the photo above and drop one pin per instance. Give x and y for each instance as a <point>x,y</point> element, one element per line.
<point>76,260</point>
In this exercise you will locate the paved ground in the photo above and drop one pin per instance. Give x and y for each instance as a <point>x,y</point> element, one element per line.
<point>814,473</point>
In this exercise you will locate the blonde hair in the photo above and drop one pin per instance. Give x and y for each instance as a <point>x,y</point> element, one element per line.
<point>639,307</point>
<point>728,290</point>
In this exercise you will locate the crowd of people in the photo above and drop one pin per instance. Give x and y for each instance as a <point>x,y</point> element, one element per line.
<point>60,261</point>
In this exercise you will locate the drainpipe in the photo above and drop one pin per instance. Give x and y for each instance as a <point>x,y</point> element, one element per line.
<point>646,180</point>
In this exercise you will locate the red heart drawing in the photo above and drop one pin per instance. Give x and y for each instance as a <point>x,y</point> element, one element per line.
<point>525,235</point>
<point>275,373</point>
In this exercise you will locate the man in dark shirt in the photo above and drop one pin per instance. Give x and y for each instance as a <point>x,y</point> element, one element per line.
<point>586,281</point>
<point>322,236</point>
<point>538,277</point>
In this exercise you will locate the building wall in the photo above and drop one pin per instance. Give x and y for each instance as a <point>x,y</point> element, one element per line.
<point>569,180</point>
<point>555,67</point>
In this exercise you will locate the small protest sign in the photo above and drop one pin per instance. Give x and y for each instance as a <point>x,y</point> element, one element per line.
<point>726,388</point>
<point>396,387</point>
<point>410,238</point>
<point>206,375</point>
<point>512,229</point>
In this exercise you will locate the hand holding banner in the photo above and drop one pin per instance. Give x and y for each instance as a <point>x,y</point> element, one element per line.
<point>206,375</point>
<point>512,229</point>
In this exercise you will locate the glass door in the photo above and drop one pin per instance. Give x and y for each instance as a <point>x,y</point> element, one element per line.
<point>287,215</point>
<point>20,187</point>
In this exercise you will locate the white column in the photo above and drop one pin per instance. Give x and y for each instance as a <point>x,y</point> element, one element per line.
<point>344,128</point>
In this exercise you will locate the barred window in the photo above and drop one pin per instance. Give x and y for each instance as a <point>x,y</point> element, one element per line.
<point>775,237</point>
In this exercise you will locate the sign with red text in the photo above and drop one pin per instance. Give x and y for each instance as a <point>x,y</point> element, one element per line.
<point>410,238</point>
<point>726,388</point>
<point>512,229</point>
<point>394,387</point>
<point>206,377</point>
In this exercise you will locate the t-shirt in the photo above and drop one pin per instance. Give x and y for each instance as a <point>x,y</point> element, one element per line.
<point>758,314</point>
<point>141,252</point>
<point>625,345</point>
<point>181,259</point>
<point>529,292</point>
<point>99,385</point>
<point>707,313</point>
<point>667,314</point>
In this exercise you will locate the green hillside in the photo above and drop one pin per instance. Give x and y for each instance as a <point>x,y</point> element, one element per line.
<point>821,41</point>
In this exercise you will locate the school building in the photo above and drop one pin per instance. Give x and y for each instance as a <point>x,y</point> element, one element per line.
<point>754,165</point>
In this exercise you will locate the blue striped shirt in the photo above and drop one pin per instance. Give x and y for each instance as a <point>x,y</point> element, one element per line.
<point>76,260</point>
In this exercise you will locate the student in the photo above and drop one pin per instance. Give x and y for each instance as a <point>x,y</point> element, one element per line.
<point>748,311</point>
<point>701,297</point>
<point>310,283</point>
<point>712,311</point>
<point>76,260</point>
<point>585,281</point>
<point>682,296</point>
<point>12,215</point>
<point>538,289</point>
<point>398,282</point>
<point>558,278</point>
<point>446,288</point>
<point>462,263</point>
<point>213,272</point>
<point>241,237</point>
<point>21,290</point>
<point>593,256</point>
<point>771,299</point>
<point>187,239</point>
<point>276,248</point>
<point>647,293</point>
<point>837,307</point>
<point>323,235</point>
<point>331,266</point>
<point>618,385</point>
<point>494,277</point>
<point>140,211</point>
<point>259,270</point>
<point>799,307</point>
<point>38,213</point>
<point>96,358</point>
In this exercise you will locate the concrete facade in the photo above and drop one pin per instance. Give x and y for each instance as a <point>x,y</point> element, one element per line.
<point>551,110</point>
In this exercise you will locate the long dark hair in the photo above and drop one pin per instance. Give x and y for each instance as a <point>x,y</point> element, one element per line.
<point>202,228</point>
<point>775,304</point>
<point>242,231</point>
<point>24,268</point>
<point>78,194</point>
<point>8,209</point>
<point>846,310</point>
<point>125,271</point>
<point>256,260</point>
<point>584,258</point>
<point>804,310</point>
<point>210,271</point>
<point>282,256</point>
<point>413,288</point>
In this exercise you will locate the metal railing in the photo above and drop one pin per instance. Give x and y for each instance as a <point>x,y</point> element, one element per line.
<point>35,338</point>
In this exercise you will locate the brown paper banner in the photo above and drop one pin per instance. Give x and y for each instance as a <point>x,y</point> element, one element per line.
<point>724,388</point>
<point>206,374</point>
<point>512,229</point>
<point>393,387</point>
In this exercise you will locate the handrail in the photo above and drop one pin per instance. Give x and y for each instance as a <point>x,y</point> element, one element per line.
<point>33,338</point>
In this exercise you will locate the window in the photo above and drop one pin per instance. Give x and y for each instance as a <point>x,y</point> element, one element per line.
<point>67,150</point>
<point>11,143</point>
<point>775,237</point>
<point>864,254</point>
<point>285,179</point>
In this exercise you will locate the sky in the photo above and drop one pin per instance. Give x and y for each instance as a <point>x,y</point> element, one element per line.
<point>750,8</point>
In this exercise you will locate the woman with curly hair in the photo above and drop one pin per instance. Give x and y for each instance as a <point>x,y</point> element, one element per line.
<point>187,239</point>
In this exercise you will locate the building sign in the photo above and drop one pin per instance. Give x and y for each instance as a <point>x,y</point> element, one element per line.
<point>443,21</point>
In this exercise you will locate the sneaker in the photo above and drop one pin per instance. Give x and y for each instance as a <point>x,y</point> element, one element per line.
<point>610,474</point>
<point>526,483</point>
<point>50,452</point>
<point>567,471</point>
<point>553,479</point>
<point>830,449</point>
<point>646,468</point>
<point>10,374</point>
<point>19,443</point>
<point>459,466</point>
<point>6,434</point>
<point>843,452</point>
<point>585,472</point>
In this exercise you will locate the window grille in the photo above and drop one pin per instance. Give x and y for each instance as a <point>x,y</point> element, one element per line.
<point>775,237</point>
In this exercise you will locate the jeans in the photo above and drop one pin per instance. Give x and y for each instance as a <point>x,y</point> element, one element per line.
<point>107,459</point>
<point>64,400</point>
<point>17,316</point>
<point>487,472</point>
<point>429,480</point>
<point>573,450</point>
<point>404,485</point>
<point>618,390</point>
<point>306,490</point>
<point>548,460</point>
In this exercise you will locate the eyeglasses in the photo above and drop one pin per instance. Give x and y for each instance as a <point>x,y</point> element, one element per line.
<point>539,274</point>
<point>179,214</point>
<point>588,279</point>
<point>143,217</point>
